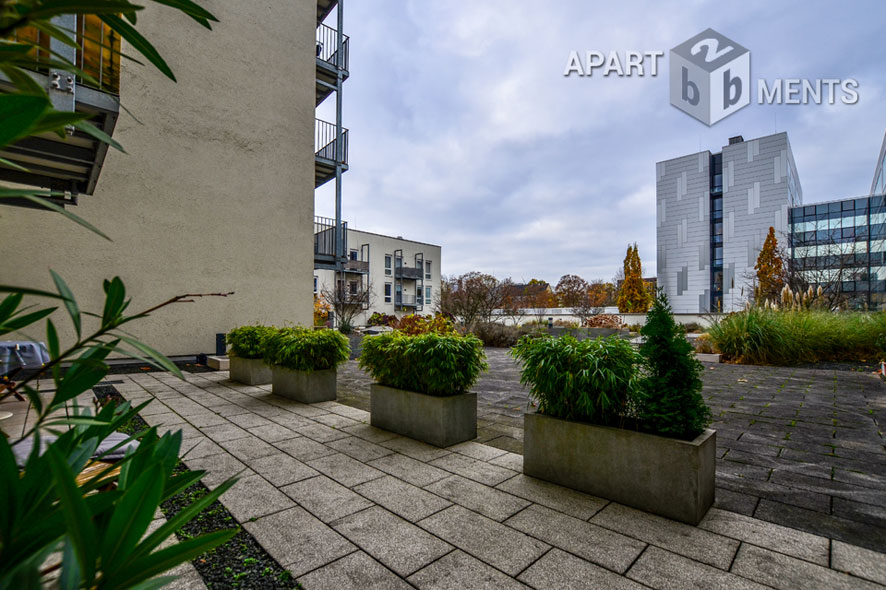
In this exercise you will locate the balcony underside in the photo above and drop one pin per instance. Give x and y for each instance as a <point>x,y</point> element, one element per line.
<point>326,79</point>
<point>72,164</point>
<point>324,7</point>
<point>324,170</point>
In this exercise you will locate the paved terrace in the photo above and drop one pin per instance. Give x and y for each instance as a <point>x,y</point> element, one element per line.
<point>800,496</point>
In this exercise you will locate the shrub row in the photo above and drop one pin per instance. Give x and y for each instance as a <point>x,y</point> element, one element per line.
<point>299,349</point>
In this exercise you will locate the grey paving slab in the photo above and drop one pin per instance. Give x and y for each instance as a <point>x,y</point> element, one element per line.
<point>290,420</point>
<point>479,471</point>
<point>784,572</point>
<point>359,449</point>
<point>415,449</point>
<point>164,419</point>
<point>488,501</point>
<point>476,450</point>
<point>303,448</point>
<point>322,433</point>
<point>799,544</point>
<point>224,432</point>
<point>336,421</point>
<point>281,469</point>
<point>664,570</point>
<point>401,498</point>
<point>254,496</point>
<point>357,571</point>
<point>370,433</point>
<point>349,412</point>
<point>589,541</point>
<point>199,447</point>
<point>325,498</point>
<point>571,502</point>
<point>345,470</point>
<point>218,468</point>
<point>409,469</point>
<point>298,541</point>
<point>494,543</point>
<point>511,461</point>
<point>248,448</point>
<point>395,542</point>
<point>300,409</point>
<point>460,570</point>
<point>273,433</point>
<point>561,570</point>
<point>858,561</point>
<point>674,536</point>
<point>206,419</point>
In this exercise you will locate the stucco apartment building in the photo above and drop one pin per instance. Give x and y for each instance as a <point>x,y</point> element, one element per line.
<point>216,190</point>
<point>399,276</point>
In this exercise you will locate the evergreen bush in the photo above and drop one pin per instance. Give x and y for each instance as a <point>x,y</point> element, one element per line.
<point>248,342</point>
<point>303,349</point>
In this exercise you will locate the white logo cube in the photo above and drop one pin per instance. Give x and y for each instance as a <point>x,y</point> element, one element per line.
<point>710,76</point>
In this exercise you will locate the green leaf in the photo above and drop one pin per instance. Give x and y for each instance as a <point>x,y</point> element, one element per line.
<point>128,32</point>
<point>196,12</point>
<point>115,295</point>
<point>18,114</point>
<point>13,165</point>
<point>70,302</point>
<point>58,209</point>
<point>78,520</point>
<point>132,515</point>
<point>157,357</point>
<point>52,339</point>
<point>92,130</point>
<point>19,322</point>
<point>70,574</point>
<point>166,559</point>
<point>9,305</point>
<point>56,121</point>
<point>12,50</point>
<point>23,82</point>
<point>154,583</point>
<point>29,291</point>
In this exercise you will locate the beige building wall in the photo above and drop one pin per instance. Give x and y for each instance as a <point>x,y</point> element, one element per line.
<point>379,247</point>
<point>216,191</point>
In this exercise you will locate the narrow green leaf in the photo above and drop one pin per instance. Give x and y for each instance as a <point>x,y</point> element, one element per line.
<point>59,209</point>
<point>132,515</point>
<point>128,32</point>
<point>18,114</point>
<point>78,520</point>
<point>21,321</point>
<point>157,357</point>
<point>56,121</point>
<point>166,559</point>
<point>9,305</point>
<point>92,130</point>
<point>196,12</point>
<point>70,301</point>
<point>13,165</point>
<point>23,81</point>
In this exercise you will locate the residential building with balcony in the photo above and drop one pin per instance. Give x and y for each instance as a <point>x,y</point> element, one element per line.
<point>216,190</point>
<point>384,274</point>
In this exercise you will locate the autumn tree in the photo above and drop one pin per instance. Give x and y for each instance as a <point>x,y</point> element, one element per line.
<point>601,293</point>
<point>633,296</point>
<point>571,291</point>
<point>770,270</point>
<point>474,296</point>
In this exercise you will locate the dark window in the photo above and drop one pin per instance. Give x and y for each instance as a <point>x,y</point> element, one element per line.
<point>878,231</point>
<point>861,204</point>
<point>848,205</point>
<point>387,264</point>
<point>821,209</point>
<point>353,287</point>
<point>387,292</point>
<point>834,208</point>
<point>877,201</point>
<point>848,286</point>
<point>848,232</point>
<point>354,255</point>
<point>716,204</point>
<point>809,211</point>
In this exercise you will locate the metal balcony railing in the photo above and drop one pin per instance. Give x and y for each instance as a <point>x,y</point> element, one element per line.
<point>324,236</point>
<point>405,299</point>
<point>407,272</point>
<point>357,265</point>
<point>326,141</point>
<point>327,47</point>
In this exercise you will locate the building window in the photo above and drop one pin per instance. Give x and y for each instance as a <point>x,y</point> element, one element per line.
<point>388,265</point>
<point>315,285</point>
<point>387,292</point>
<point>427,269</point>
<point>354,255</point>
<point>428,294</point>
<point>353,288</point>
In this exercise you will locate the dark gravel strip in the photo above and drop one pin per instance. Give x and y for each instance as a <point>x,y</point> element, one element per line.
<point>241,562</point>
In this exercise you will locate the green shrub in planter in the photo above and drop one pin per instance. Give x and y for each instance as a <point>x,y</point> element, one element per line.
<point>589,380</point>
<point>669,394</point>
<point>248,342</point>
<point>435,364</point>
<point>304,349</point>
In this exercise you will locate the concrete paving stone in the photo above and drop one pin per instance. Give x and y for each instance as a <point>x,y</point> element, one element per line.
<point>152,409</point>
<point>326,499</point>
<point>508,444</point>
<point>867,480</point>
<point>298,541</point>
<point>589,541</point>
<point>488,501</point>
<point>349,412</point>
<point>163,419</point>
<point>415,449</point>
<point>199,447</point>
<point>336,421</point>
<point>249,421</point>
<point>322,433</point>
<point>304,410</point>
<point>480,471</point>
<point>218,468</point>
<point>826,525</point>
<point>356,571</point>
<point>290,420</point>
<point>228,409</point>
<point>669,534</point>
<point>409,470</point>
<point>395,542</point>
<point>345,470</point>
<point>188,578</point>
<point>511,461</point>
<point>280,469</point>
<point>858,561</point>
<point>571,502</point>
<point>303,449</point>
<point>460,570</point>
<point>187,431</point>
<point>249,448</point>
<point>370,433</point>
<point>831,488</point>
<point>273,432</point>
<point>786,540</point>
<point>254,496</point>
<point>859,511</point>
<point>359,449</point>
<point>783,572</point>
<point>776,492</point>
<point>205,419</point>
<point>664,570</point>
<point>401,498</point>
<point>560,570</point>
<point>779,463</point>
<point>726,467</point>
<point>735,501</point>
<point>498,545</point>
<point>225,432</point>
<point>476,451</point>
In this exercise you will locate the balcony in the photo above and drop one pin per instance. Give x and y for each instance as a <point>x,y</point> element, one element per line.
<point>329,61</point>
<point>326,144</point>
<point>324,7</point>
<point>408,272</point>
<point>359,266</point>
<point>406,300</point>
<point>72,164</point>
<point>324,242</point>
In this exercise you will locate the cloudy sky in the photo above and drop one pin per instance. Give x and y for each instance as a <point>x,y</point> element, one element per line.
<point>465,133</point>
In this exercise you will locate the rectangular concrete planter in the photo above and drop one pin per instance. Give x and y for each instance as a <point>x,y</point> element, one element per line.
<point>707,357</point>
<point>440,421</point>
<point>249,371</point>
<point>665,476</point>
<point>303,386</point>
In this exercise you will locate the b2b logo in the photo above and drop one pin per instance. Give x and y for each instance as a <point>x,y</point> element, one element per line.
<point>710,76</point>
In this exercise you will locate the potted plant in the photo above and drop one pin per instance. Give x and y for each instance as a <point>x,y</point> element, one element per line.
<point>423,382</point>
<point>619,424</point>
<point>303,363</point>
<point>247,347</point>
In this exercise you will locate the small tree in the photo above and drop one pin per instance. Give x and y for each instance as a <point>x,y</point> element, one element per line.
<point>770,270</point>
<point>571,290</point>
<point>345,303</point>
<point>633,296</point>
<point>670,401</point>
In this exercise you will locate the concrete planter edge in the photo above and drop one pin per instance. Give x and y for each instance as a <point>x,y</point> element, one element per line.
<point>307,387</point>
<point>441,421</point>
<point>249,371</point>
